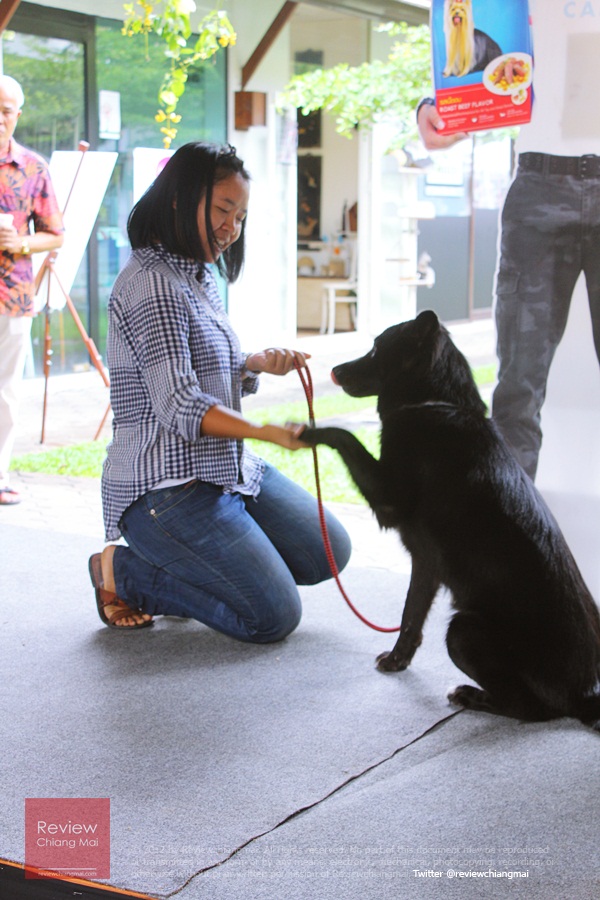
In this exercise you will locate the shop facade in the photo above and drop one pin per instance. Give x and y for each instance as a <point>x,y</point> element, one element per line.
<point>84,81</point>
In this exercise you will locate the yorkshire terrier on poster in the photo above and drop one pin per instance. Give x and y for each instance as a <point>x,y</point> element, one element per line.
<point>467,48</point>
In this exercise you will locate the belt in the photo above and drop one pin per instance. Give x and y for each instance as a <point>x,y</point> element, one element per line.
<point>580,166</point>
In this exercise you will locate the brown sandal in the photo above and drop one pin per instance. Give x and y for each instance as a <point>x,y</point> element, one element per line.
<point>108,598</point>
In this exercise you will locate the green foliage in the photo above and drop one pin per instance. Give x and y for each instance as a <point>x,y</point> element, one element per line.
<point>170,20</point>
<point>337,486</point>
<point>378,91</point>
<point>86,459</point>
<point>485,375</point>
<point>77,460</point>
<point>117,56</point>
<point>325,407</point>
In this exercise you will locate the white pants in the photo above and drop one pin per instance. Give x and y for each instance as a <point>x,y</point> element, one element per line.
<point>14,343</point>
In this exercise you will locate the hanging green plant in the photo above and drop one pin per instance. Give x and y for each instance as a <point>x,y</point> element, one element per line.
<point>170,19</point>
<point>381,90</point>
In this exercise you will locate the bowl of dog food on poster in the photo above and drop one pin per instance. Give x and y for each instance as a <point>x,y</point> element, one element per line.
<point>509,74</point>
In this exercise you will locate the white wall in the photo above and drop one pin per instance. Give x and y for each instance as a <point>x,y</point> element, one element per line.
<point>569,469</point>
<point>262,304</point>
<point>341,39</point>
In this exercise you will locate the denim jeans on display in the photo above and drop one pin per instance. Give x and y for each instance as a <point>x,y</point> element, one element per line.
<point>550,234</point>
<point>230,561</point>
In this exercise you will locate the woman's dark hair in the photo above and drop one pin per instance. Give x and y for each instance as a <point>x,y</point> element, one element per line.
<point>167,213</point>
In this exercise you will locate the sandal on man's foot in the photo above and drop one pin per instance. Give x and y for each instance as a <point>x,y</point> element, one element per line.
<point>106,599</point>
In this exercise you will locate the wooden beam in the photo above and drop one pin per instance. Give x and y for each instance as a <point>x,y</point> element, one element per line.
<point>280,20</point>
<point>7,9</point>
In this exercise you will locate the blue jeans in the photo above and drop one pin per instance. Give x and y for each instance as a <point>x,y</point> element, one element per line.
<point>230,561</point>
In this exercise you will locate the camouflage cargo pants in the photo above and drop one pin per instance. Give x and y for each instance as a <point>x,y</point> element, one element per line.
<point>550,234</point>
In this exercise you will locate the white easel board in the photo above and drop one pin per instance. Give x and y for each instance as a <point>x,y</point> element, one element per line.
<point>148,162</point>
<point>91,171</point>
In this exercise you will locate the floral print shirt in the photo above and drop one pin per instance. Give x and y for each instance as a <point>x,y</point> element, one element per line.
<point>26,193</point>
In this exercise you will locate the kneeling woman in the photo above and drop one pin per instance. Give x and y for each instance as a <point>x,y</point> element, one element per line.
<point>213,532</point>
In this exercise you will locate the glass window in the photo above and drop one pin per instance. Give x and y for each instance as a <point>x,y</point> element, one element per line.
<point>51,73</point>
<point>55,69</point>
<point>124,67</point>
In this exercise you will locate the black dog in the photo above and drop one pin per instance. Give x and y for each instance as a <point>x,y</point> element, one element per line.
<point>525,626</point>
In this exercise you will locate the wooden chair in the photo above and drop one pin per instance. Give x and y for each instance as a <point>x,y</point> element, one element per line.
<point>343,290</point>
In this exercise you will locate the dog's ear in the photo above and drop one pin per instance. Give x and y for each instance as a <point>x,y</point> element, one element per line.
<point>428,323</point>
<point>429,332</point>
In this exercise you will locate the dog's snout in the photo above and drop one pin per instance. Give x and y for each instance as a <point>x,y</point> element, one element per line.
<point>333,377</point>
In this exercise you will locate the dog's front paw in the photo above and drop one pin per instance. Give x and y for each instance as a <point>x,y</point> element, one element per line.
<point>310,436</point>
<point>387,662</point>
<point>330,435</point>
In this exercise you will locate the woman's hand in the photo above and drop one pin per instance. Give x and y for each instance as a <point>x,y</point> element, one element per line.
<point>431,129</point>
<point>276,360</point>
<point>288,436</point>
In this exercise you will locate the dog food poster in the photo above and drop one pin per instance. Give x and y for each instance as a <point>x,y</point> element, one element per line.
<point>482,63</point>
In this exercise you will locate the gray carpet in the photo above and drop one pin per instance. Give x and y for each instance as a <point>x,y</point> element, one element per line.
<point>477,794</point>
<point>206,746</point>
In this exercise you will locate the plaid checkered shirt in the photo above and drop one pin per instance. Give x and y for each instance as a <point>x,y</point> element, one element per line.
<point>172,355</point>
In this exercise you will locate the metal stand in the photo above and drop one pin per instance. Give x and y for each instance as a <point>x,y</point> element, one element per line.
<point>48,269</point>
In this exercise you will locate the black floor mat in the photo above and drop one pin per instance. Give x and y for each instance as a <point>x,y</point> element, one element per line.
<point>14,886</point>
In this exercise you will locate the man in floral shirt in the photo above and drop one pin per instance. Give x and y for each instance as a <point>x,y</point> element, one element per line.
<point>26,198</point>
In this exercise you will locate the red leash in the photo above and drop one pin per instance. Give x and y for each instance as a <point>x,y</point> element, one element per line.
<point>307,384</point>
